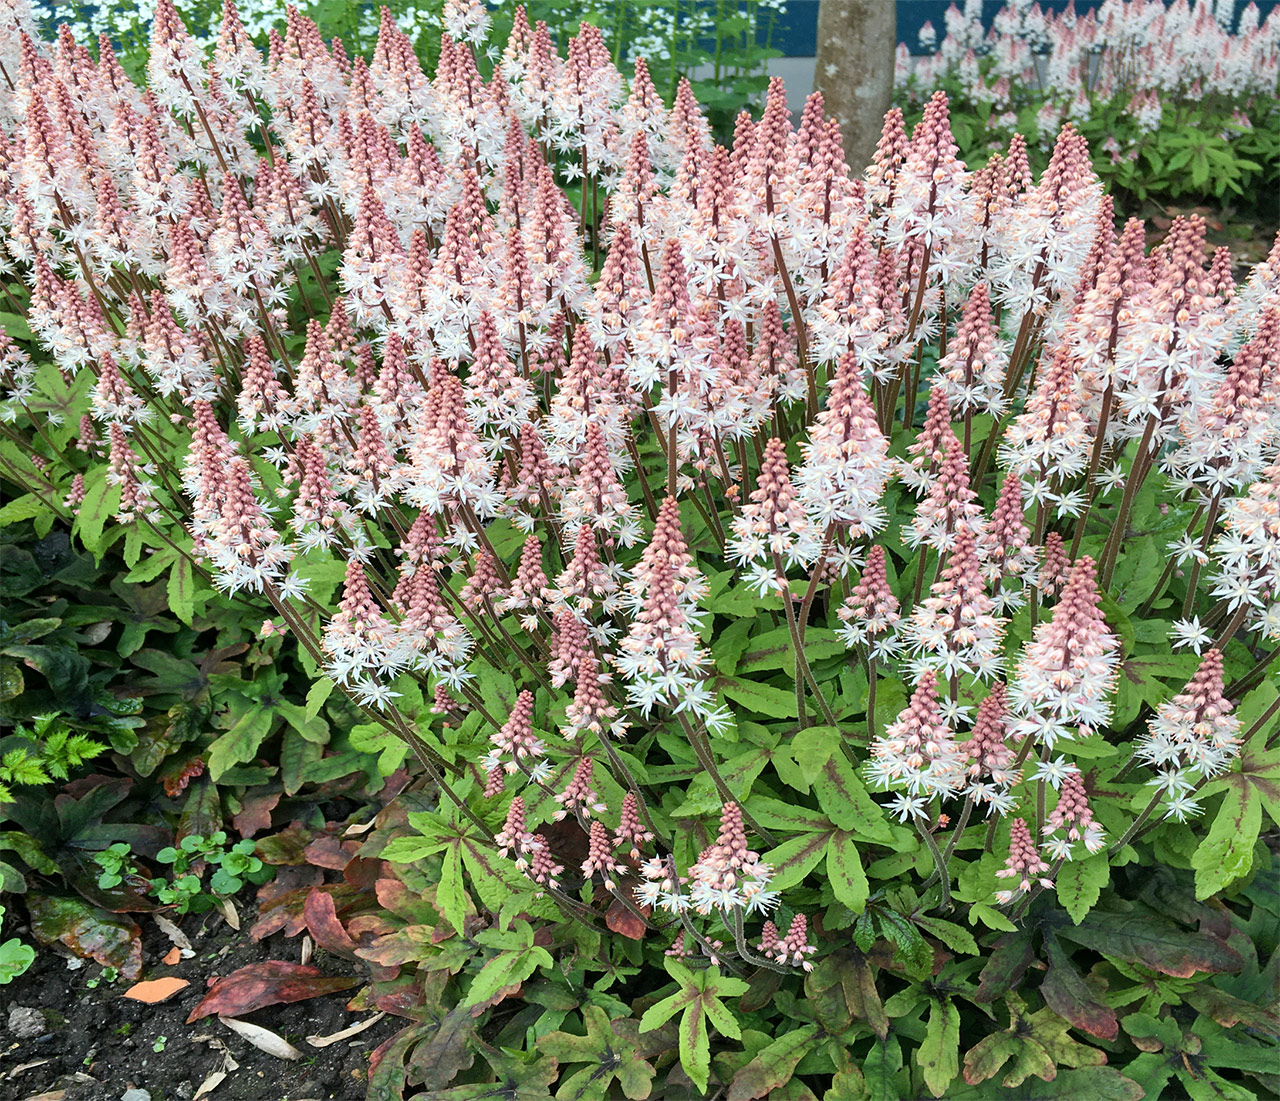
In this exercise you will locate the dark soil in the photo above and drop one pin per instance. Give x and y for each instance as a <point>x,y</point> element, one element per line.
<point>97,1044</point>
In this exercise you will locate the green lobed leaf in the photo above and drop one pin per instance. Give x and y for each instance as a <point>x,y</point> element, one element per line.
<point>504,973</point>
<point>1080,884</point>
<point>844,872</point>
<point>939,1054</point>
<point>773,1067</point>
<point>239,744</point>
<point>955,937</point>
<point>795,858</point>
<point>764,699</point>
<point>451,898</point>
<point>182,591</point>
<point>317,694</point>
<point>848,804</point>
<point>1226,853</point>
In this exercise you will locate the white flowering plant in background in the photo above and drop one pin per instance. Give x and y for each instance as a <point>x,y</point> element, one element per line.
<point>1179,101</point>
<point>765,568</point>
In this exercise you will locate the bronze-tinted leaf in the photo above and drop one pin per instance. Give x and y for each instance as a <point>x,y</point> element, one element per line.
<point>111,939</point>
<point>286,847</point>
<point>1065,992</point>
<point>272,982</point>
<point>329,851</point>
<point>623,921</point>
<point>255,812</point>
<point>321,916</point>
<point>1010,958</point>
<point>1145,937</point>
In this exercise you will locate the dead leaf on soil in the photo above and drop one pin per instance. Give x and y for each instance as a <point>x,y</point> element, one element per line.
<point>262,1038</point>
<point>26,1066</point>
<point>346,1033</point>
<point>211,1083</point>
<point>272,982</point>
<point>255,814</point>
<point>176,936</point>
<point>114,940</point>
<point>228,911</point>
<point>155,991</point>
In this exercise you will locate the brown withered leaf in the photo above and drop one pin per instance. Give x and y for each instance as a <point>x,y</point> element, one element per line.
<point>321,917</point>
<point>180,773</point>
<point>288,911</point>
<point>328,851</point>
<point>272,982</point>
<point>255,812</point>
<point>112,939</point>
<point>621,920</point>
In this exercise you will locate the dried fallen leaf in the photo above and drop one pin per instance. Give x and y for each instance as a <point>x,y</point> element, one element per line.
<point>112,939</point>
<point>229,912</point>
<point>346,1033</point>
<point>176,936</point>
<point>211,1083</point>
<point>356,829</point>
<point>26,1066</point>
<point>173,956</point>
<point>271,982</point>
<point>262,1038</point>
<point>155,991</point>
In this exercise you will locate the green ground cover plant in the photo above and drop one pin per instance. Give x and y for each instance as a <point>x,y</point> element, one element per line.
<point>1178,102</point>
<point>687,619</point>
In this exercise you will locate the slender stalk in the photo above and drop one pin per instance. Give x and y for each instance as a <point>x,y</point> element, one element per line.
<point>1210,522</point>
<point>802,671</point>
<point>871,698</point>
<point>1131,486</point>
<point>1156,799</point>
<point>939,863</point>
<point>707,760</point>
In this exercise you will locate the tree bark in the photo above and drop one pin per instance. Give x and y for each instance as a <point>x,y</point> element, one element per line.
<point>857,40</point>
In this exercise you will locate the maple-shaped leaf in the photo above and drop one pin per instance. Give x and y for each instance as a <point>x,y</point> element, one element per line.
<point>1252,787</point>
<point>699,997</point>
<point>1037,1043</point>
<point>518,957</point>
<point>611,1052</point>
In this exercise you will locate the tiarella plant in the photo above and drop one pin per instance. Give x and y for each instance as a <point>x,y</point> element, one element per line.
<point>723,46</point>
<point>1178,100</point>
<point>770,571</point>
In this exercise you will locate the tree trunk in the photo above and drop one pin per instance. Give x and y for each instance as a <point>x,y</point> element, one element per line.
<point>856,44</point>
